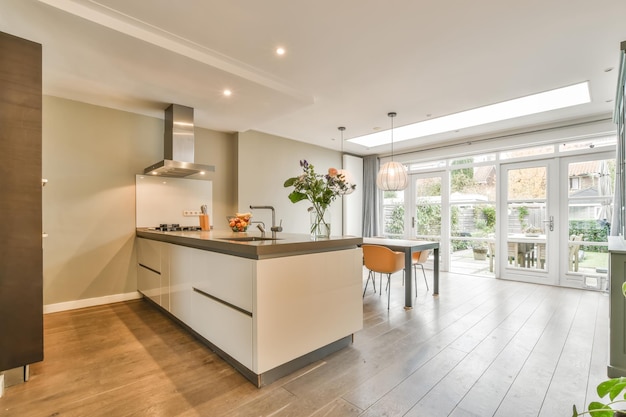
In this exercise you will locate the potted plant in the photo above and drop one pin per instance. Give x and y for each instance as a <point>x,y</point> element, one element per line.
<point>522,212</point>
<point>484,222</point>
<point>480,251</point>
<point>613,387</point>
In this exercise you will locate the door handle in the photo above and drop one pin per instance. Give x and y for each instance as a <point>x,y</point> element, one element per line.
<point>551,223</point>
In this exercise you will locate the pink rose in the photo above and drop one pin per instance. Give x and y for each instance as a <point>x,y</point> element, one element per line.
<point>332,172</point>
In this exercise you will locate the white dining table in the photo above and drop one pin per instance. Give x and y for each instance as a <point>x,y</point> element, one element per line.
<point>409,246</point>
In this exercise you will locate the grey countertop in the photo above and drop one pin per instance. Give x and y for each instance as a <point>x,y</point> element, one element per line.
<point>286,244</point>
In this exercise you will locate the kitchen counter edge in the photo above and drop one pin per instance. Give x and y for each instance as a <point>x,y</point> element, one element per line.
<point>287,244</point>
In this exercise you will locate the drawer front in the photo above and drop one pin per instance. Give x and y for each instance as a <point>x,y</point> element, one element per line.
<point>149,283</point>
<point>149,253</point>
<point>227,328</point>
<point>228,278</point>
<point>183,267</point>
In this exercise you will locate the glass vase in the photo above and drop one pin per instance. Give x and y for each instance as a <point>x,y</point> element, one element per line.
<point>320,224</point>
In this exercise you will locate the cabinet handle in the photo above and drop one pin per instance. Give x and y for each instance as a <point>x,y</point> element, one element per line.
<point>150,269</point>
<point>226,303</point>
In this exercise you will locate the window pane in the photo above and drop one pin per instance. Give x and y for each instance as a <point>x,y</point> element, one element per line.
<point>590,212</point>
<point>527,183</point>
<point>427,166</point>
<point>520,153</point>
<point>473,184</point>
<point>475,159</point>
<point>592,178</point>
<point>472,207</point>
<point>393,214</point>
<point>428,208</point>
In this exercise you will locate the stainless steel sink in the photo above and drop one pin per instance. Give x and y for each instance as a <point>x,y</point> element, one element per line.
<point>247,238</point>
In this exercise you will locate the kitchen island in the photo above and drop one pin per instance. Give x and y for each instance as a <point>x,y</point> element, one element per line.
<point>268,307</point>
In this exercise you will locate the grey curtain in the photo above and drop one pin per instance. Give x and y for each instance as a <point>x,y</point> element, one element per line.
<point>370,196</point>
<point>617,222</point>
<point>618,196</point>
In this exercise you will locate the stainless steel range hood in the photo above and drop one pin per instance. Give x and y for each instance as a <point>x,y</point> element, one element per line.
<point>178,149</point>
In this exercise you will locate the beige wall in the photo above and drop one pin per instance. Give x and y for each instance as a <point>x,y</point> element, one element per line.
<point>90,157</point>
<point>219,149</point>
<point>265,162</point>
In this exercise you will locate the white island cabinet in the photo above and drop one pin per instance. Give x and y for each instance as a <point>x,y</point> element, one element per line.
<point>305,302</point>
<point>149,268</point>
<point>184,265</point>
<point>266,308</point>
<point>222,305</point>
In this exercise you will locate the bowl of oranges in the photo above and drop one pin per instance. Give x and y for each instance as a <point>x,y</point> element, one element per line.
<point>239,222</point>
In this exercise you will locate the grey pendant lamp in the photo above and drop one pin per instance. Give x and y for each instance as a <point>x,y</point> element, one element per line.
<point>392,176</point>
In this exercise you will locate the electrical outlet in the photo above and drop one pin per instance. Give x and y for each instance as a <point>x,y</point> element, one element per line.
<point>191,213</point>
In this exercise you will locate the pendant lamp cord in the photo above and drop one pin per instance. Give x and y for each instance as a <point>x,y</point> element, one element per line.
<point>392,115</point>
<point>341,129</point>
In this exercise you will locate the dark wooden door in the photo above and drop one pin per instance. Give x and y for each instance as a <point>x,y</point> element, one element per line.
<point>21,257</point>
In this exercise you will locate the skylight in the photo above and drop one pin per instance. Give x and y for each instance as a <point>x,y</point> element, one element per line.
<point>524,106</point>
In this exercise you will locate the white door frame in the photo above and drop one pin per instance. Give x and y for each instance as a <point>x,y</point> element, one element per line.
<point>410,223</point>
<point>551,274</point>
<point>567,278</point>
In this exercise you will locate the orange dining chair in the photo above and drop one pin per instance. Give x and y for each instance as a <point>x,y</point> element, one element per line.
<point>419,259</point>
<point>383,260</point>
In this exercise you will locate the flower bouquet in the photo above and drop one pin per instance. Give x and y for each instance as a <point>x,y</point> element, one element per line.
<point>320,190</point>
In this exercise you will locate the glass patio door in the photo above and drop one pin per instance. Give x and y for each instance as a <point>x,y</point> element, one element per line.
<point>587,209</point>
<point>528,224</point>
<point>428,210</point>
<point>426,219</point>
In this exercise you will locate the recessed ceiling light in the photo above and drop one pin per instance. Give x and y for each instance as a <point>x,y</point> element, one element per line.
<point>524,106</point>
<point>280,51</point>
<point>228,93</point>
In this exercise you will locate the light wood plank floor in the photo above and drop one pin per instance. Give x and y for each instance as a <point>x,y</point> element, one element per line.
<point>485,347</point>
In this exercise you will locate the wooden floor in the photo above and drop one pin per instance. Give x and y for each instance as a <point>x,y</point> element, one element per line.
<point>483,347</point>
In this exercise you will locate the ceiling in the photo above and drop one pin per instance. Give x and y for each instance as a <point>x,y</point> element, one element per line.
<point>348,63</point>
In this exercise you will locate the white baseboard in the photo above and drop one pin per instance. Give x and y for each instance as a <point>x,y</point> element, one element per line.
<point>90,302</point>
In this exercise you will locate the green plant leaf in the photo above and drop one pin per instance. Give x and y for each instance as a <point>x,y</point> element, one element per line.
<point>320,190</point>
<point>597,409</point>
<point>290,181</point>
<point>617,389</point>
<point>605,386</point>
<point>295,196</point>
<point>613,386</point>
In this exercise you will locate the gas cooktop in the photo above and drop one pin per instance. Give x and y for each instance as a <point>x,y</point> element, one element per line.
<point>174,228</point>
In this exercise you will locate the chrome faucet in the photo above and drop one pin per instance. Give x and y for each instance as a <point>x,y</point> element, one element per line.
<point>274,228</point>
<point>260,226</point>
